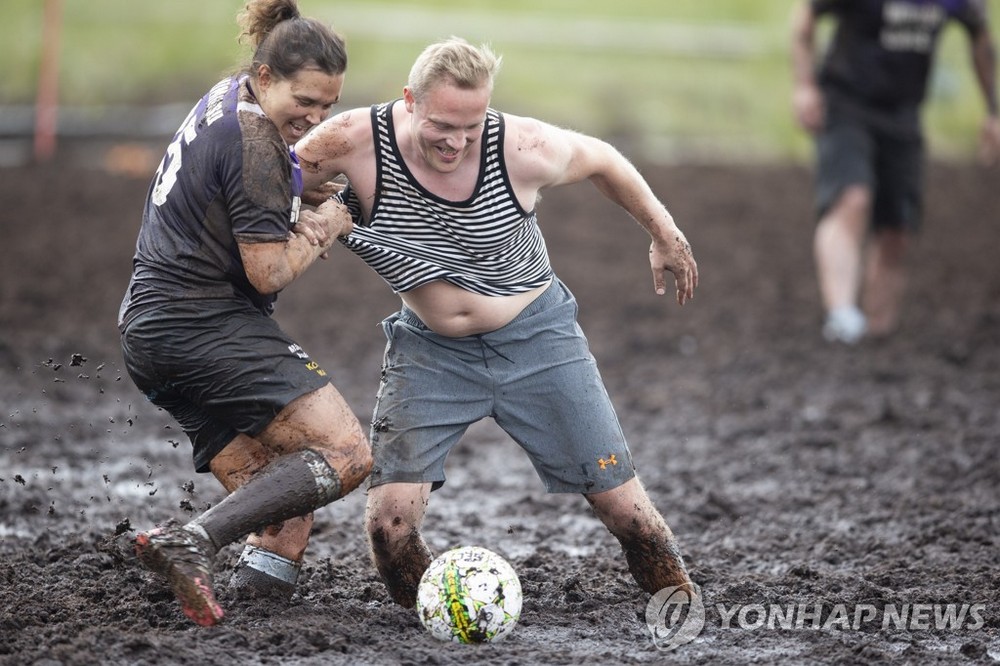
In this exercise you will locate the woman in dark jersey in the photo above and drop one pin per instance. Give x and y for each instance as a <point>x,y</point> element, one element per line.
<point>222,233</point>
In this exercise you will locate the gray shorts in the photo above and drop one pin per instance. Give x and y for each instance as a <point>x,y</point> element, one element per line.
<point>535,377</point>
<point>218,369</point>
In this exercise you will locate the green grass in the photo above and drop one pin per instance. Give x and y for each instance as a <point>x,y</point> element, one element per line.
<point>666,78</point>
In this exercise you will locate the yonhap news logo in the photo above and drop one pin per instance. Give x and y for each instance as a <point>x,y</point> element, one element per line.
<point>853,617</point>
<point>676,617</point>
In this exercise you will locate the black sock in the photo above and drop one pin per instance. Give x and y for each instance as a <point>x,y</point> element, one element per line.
<point>291,486</point>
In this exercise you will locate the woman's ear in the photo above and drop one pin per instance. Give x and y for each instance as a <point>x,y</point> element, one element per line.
<point>264,77</point>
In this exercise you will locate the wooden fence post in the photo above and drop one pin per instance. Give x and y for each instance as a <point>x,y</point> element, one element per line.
<point>47,98</point>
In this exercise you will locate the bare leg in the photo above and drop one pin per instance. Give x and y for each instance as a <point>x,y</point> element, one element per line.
<point>323,421</point>
<point>838,249</point>
<point>272,558</point>
<point>393,516</point>
<point>885,281</point>
<point>651,551</point>
<point>236,464</point>
<point>321,455</point>
<point>837,246</point>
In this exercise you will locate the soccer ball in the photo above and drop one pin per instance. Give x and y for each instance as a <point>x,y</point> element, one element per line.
<point>469,595</point>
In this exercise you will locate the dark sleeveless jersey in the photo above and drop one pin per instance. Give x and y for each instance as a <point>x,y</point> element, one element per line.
<point>882,50</point>
<point>487,244</point>
<point>226,177</point>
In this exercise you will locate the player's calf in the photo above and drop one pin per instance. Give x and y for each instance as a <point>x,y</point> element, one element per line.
<point>655,562</point>
<point>400,564</point>
<point>651,551</point>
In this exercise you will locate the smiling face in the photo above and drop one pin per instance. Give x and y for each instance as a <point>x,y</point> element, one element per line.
<point>447,123</point>
<point>299,103</point>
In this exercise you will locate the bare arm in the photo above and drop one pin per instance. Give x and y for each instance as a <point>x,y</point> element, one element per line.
<point>807,100</point>
<point>541,155</point>
<point>332,148</point>
<point>271,267</point>
<point>984,63</point>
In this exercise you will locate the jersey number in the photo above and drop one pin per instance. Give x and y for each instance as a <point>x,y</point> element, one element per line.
<point>170,165</point>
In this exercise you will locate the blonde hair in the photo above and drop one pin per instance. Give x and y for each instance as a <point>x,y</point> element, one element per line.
<point>455,61</point>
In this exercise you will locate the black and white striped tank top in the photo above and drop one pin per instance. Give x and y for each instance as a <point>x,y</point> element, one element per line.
<point>487,244</point>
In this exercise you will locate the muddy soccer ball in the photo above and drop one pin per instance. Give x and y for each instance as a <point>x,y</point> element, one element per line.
<point>469,595</point>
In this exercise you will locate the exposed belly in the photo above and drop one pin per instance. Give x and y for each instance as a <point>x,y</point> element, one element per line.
<point>454,312</point>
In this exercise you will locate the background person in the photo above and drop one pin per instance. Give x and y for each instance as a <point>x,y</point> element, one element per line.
<point>863,106</point>
<point>444,190</point>
<point>222,233</point>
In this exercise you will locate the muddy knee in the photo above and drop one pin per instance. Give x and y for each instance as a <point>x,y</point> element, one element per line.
<point>400,556</point>
<point>388,533</point>
<point>351,460</point>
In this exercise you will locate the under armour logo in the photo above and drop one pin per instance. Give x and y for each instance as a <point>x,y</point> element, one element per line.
<point>610,461</point>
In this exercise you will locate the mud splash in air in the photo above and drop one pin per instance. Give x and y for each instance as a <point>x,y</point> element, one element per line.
<point>790,471</point>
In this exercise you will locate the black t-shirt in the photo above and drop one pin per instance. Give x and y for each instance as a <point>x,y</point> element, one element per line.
<point>882,50</point>
<point>226,177</point>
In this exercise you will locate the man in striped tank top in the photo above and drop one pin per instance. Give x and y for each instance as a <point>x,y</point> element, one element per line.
<point>443,190</point>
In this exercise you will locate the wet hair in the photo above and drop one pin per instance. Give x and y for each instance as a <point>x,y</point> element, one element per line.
<point>288,42</point>
<point>455,61</point>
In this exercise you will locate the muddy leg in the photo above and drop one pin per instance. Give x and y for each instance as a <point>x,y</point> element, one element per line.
<point>651,551</point>
<point>393,517</point>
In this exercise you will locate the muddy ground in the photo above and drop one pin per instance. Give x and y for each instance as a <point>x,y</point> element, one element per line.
<point>844,486</point>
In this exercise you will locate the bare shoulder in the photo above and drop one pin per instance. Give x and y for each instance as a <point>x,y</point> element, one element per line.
<point>534,149</point>
<point>547,155</point>
<point>336,138</point>
<point>529,135</point>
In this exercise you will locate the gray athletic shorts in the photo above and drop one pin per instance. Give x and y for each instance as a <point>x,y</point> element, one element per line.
<point>883,150</point>
<point>219,370</point>
<point>535,377</point>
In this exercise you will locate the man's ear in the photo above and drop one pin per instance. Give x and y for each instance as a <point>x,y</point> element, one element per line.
<point>408,99</point>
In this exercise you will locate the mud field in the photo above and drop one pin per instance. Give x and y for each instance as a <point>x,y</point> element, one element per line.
<point>835,505</point>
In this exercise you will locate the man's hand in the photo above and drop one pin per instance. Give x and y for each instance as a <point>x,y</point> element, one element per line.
<point>674,254</point>
<point>807,102</point>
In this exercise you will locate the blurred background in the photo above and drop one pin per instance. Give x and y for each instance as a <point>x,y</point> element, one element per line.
<point>666,81</point>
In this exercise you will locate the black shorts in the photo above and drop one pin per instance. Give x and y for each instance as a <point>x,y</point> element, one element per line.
<point>881,149</point>
<point>218,368</point>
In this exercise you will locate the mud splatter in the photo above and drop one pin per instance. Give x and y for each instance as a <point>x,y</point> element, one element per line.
<point>770,453</point>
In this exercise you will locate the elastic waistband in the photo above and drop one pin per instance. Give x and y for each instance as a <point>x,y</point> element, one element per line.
<point>408,316</point>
